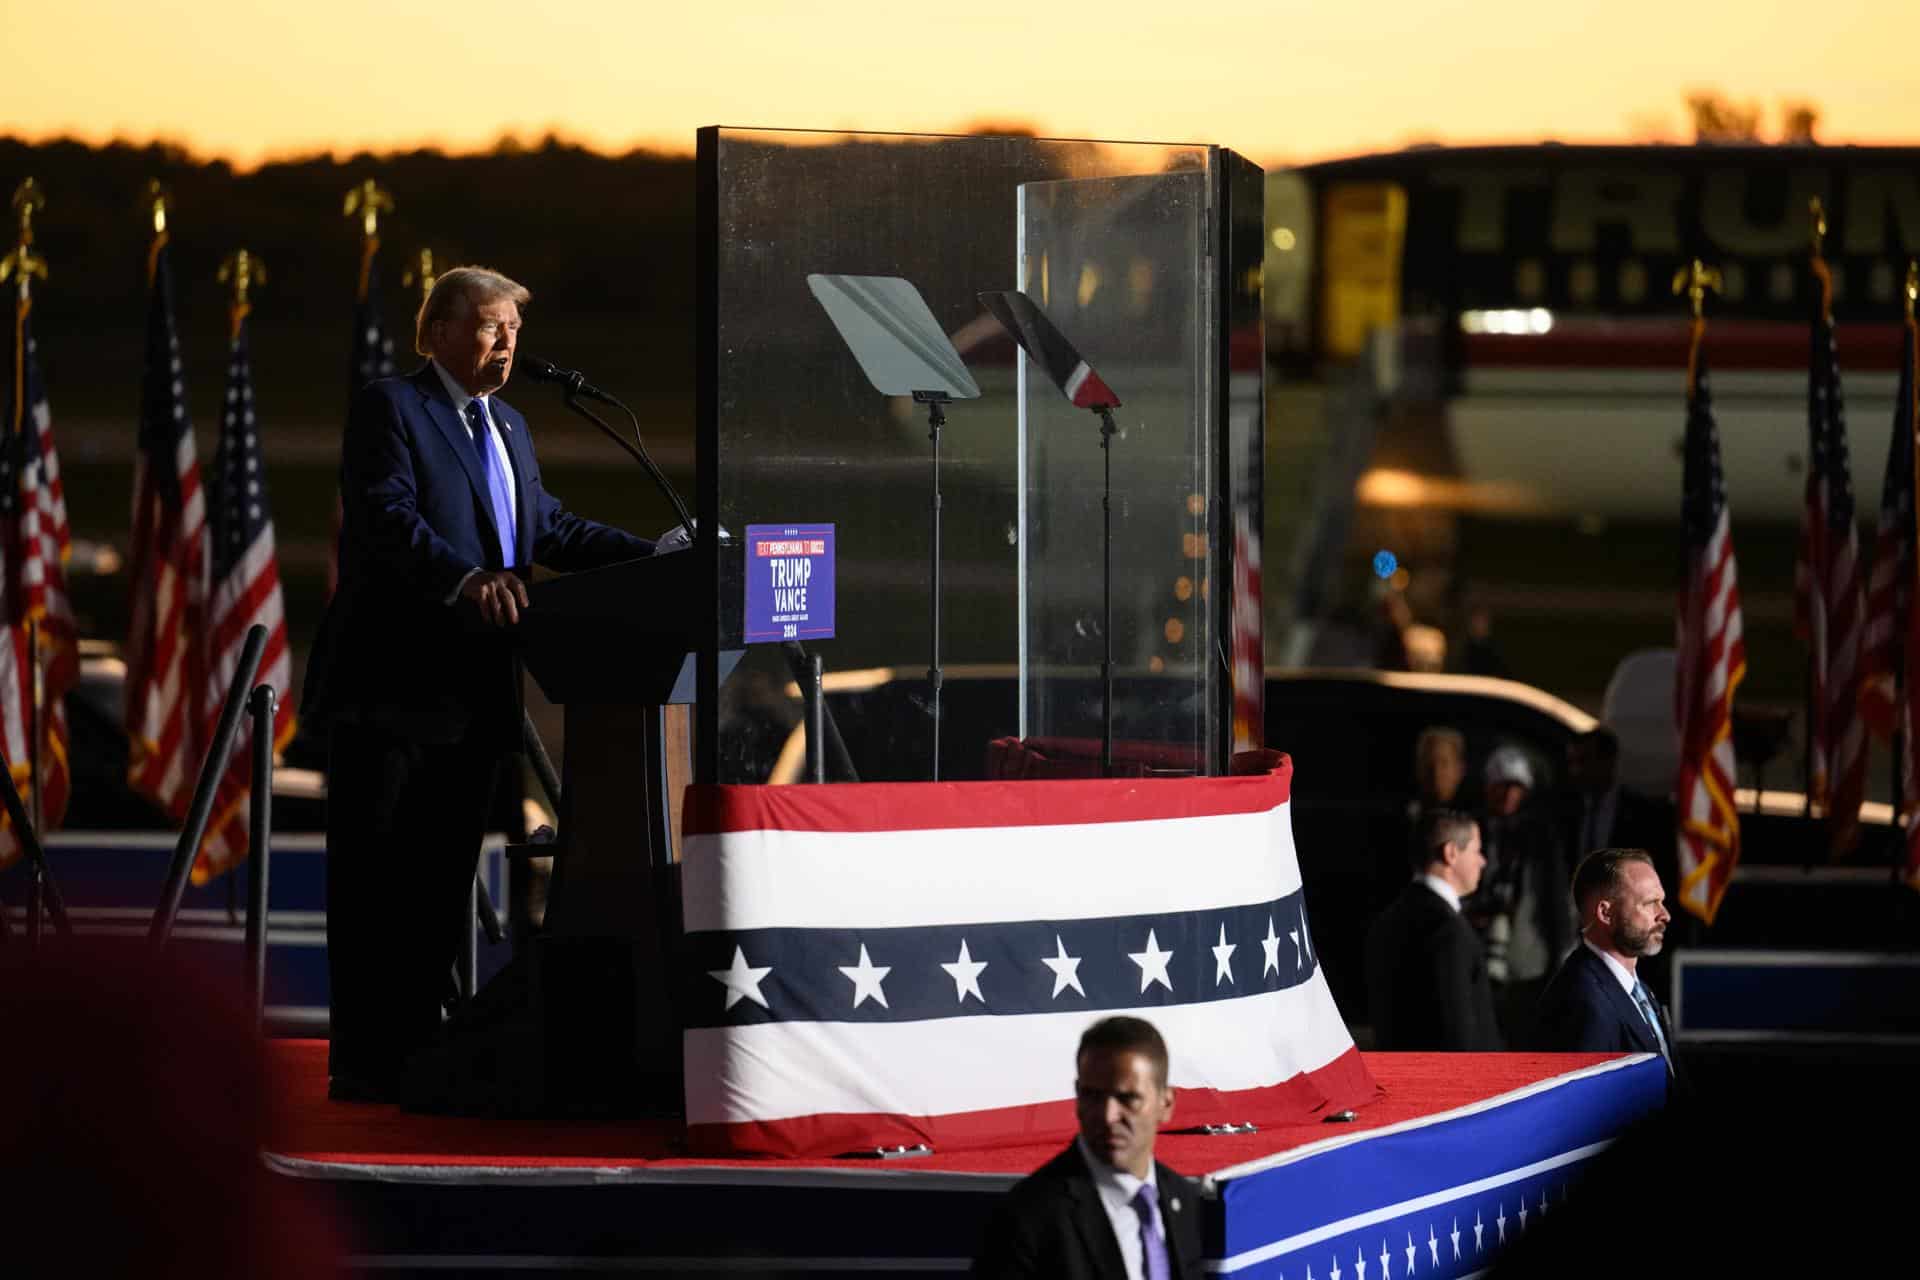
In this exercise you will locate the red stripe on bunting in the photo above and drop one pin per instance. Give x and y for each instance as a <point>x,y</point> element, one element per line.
<point>1342,1084</point>
<point>934,806</point>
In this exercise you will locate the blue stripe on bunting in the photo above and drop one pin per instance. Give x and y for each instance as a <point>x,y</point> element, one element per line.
<point>1429,1160</point>
<point>736,978</point>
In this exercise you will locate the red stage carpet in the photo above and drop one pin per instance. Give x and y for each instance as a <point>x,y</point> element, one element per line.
<point>308,1127</point>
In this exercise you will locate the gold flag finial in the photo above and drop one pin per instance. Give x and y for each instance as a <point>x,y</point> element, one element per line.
<point>421,273</point>
<point>27,201</point>
<point>1817,225</point>
<point>369,201</point>
<point>158,202</point>
<point>1913,285</point>
<point>22,264</point>
<point>243,269</point>
<point>1694,280</point>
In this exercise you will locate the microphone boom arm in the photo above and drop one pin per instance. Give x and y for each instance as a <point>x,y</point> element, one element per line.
<point>633,447</point>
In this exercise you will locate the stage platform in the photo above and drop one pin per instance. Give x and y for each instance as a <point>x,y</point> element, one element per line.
<point>1461,1153</point>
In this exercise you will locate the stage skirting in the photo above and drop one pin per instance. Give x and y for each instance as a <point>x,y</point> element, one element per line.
<point>883,964</point>
<point>1461,1151</point>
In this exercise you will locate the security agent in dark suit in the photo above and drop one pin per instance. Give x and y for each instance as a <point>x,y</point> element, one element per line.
<point>1104,1206</point>
<point>1426,973</point>
<point>1596,1002</point>
<point>415,670</point>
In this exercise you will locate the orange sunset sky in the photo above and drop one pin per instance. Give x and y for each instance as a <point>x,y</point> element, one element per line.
<point>1282,80</point>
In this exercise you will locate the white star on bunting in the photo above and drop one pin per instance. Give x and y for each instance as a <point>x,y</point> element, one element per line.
<point>1298,960</point>
<point>1479,1230</point>
<point>1386,1271</point>
<point>1410,1251</point>
<point>1271,945</point>
<point>1455,1237</point>
<point>1153,964</point>
<point>1501,1222</point>
<point>741,980</point>
<point>1359,1265</point>
<point>867,978</point>
<point>1066,968</point>
<point>1223,958</point>
<point>965,973</point>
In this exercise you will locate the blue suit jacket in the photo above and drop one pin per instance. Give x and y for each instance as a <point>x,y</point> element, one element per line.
<point>1585,1010</point>
<point>415,519</point>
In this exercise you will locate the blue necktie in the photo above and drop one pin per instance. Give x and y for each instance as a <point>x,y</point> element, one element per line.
<point>498,495</point>
<point>1645,1002</point>
<point>1153,1245</point>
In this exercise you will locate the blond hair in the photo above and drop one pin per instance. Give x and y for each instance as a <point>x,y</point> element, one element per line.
<point>459,291</point>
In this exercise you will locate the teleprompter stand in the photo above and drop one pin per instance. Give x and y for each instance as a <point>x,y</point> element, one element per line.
<point>904,352</point>
<point>1047,347</point>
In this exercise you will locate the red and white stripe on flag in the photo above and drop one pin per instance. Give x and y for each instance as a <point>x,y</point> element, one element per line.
<point>165,657</point>
<point>1829,609</point>
<point>879,964</point>
<point>36,543</point>
<point>245,593</point>
<point>1710,659</point>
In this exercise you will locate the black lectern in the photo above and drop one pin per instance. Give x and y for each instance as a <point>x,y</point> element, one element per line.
<point>616,647</point>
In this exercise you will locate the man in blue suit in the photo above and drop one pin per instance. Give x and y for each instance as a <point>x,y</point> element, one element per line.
<point>415,671</point>
<point>1596,1003</point>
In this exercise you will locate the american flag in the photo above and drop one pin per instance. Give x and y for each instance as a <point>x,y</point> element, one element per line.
<point>1891,586</point>
<point>372,359</point>
<point>35,542</point>
<point>1711,661</point>
<point>169,571</point>
<point>1828,610</point>
<point>1906,424</point>
<point>246,591</point>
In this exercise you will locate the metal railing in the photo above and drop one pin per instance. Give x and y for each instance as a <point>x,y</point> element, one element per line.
<point>211,767</point>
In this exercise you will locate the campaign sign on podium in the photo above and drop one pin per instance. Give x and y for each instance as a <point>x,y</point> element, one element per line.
<point>789,572</point>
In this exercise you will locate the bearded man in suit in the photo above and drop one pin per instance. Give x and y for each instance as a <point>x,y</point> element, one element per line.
<point>1596,1002</point>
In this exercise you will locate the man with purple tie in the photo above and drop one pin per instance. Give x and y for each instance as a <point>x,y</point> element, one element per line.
<point>1104,1206</point>
<point>414,672</point>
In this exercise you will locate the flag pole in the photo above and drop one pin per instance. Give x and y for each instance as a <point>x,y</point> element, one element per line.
<point>1910,335</point>
<point>23,264</point>
<point>1809,676</point>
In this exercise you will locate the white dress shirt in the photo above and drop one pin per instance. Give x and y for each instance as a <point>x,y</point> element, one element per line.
<point>1448,894</point>
<point>458,394</point>
<point>1621,974</point>
<point>1117,1189</point>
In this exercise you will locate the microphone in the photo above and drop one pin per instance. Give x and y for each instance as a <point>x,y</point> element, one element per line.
<point>577,385</point>
<point>575,382</point>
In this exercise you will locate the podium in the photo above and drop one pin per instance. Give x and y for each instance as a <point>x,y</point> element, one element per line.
<point>617,647</point>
